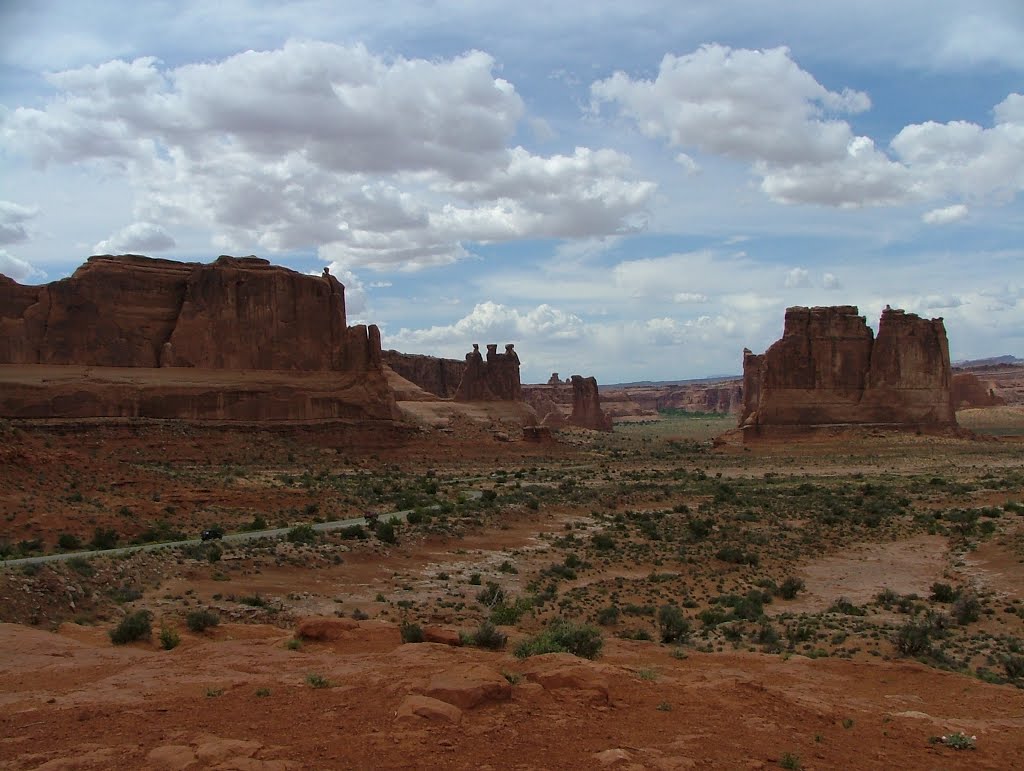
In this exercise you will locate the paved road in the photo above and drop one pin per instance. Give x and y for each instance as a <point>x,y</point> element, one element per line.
<point>277,532</point>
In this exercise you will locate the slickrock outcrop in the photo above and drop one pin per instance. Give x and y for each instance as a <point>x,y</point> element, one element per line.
<point>828,368</point>
<point>496,379</point>
<point>141,320</point>
<point>440,377</point>
<point>586,405</point>
<point>969,391</point>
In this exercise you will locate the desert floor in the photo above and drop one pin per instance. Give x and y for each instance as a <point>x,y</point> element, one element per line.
<point>842,601</point>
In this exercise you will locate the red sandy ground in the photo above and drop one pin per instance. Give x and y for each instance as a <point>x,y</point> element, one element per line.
<point>71,701</point>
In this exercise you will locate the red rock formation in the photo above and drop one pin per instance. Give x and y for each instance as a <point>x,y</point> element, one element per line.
<point>586,405</point>
<point>496,379</point>
<point>828,368</point>
<point>232,315</point>
<point>578,404</point>
<point>552,403</point>
<point>440,377</point>
<point>968,391</point>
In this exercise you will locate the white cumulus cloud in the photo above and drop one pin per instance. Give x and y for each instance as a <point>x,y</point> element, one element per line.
<point>381,161</point>
<point>142,237</point>
<point>945,215</point>
<point>18,269</point>
<point>798,278</point>
<point>13,221</point>
<point>762,108</point>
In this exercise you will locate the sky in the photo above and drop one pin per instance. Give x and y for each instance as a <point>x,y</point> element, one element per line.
<point>633,191</point>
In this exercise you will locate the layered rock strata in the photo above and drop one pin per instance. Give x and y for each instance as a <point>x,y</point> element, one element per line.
<point>440,377</point>
<point>142,316</point>
<point>828,368</point>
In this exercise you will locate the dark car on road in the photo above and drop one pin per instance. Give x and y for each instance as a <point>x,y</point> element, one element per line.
<point>212,533</point>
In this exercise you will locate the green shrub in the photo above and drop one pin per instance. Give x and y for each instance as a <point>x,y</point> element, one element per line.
<point>736,556</point>
<point>169,639</point>
<point>69,542</point>
<point>304,533</point>
<point>491,595</point>
<point>943,593</point>
<point>201,620</point>
<point>82,566</point>
<point>385,531</point>
<point>966,609</point>
<point>674,626</point>
<point>318,681</point>
<point>608,616</point>
<point>135,626</point>
<point>487,636</point>
<point>507,613</point>
<point>104,538</point>
<point>913,638</point>
<point>790,587</point>
<point>411,633</point>
<point>352,532</point>
<point>563,636</point>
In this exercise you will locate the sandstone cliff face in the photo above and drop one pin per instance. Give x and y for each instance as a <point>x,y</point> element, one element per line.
<point>186,340</point>
<point>440,377</point>
<point>234,313</point>
<point>493,379</point>
<point>828,368</point>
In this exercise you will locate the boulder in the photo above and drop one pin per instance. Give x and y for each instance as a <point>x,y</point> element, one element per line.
<point>436,634</point>
<point>325,628</point>
<point>469,686</point>
<point>416,706</point>
<point>562,671</point>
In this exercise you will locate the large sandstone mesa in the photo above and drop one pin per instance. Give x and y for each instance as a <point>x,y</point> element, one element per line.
<point>440,377</point>
<point>496,379</point>
<point>829,368</point>
<point>235,314</point>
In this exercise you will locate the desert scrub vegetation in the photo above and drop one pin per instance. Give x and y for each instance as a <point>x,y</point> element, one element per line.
<point>202,619</point>
<point>563,636</point>
<point>134,626</point>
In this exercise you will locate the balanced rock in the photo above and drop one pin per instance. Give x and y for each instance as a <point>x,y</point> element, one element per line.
<point>828,368</point>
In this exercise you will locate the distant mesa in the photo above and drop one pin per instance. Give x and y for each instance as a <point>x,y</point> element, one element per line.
<point>574,402</point>
<point>829,368</point>
<point>140,329</point>
<point>969,391</point>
